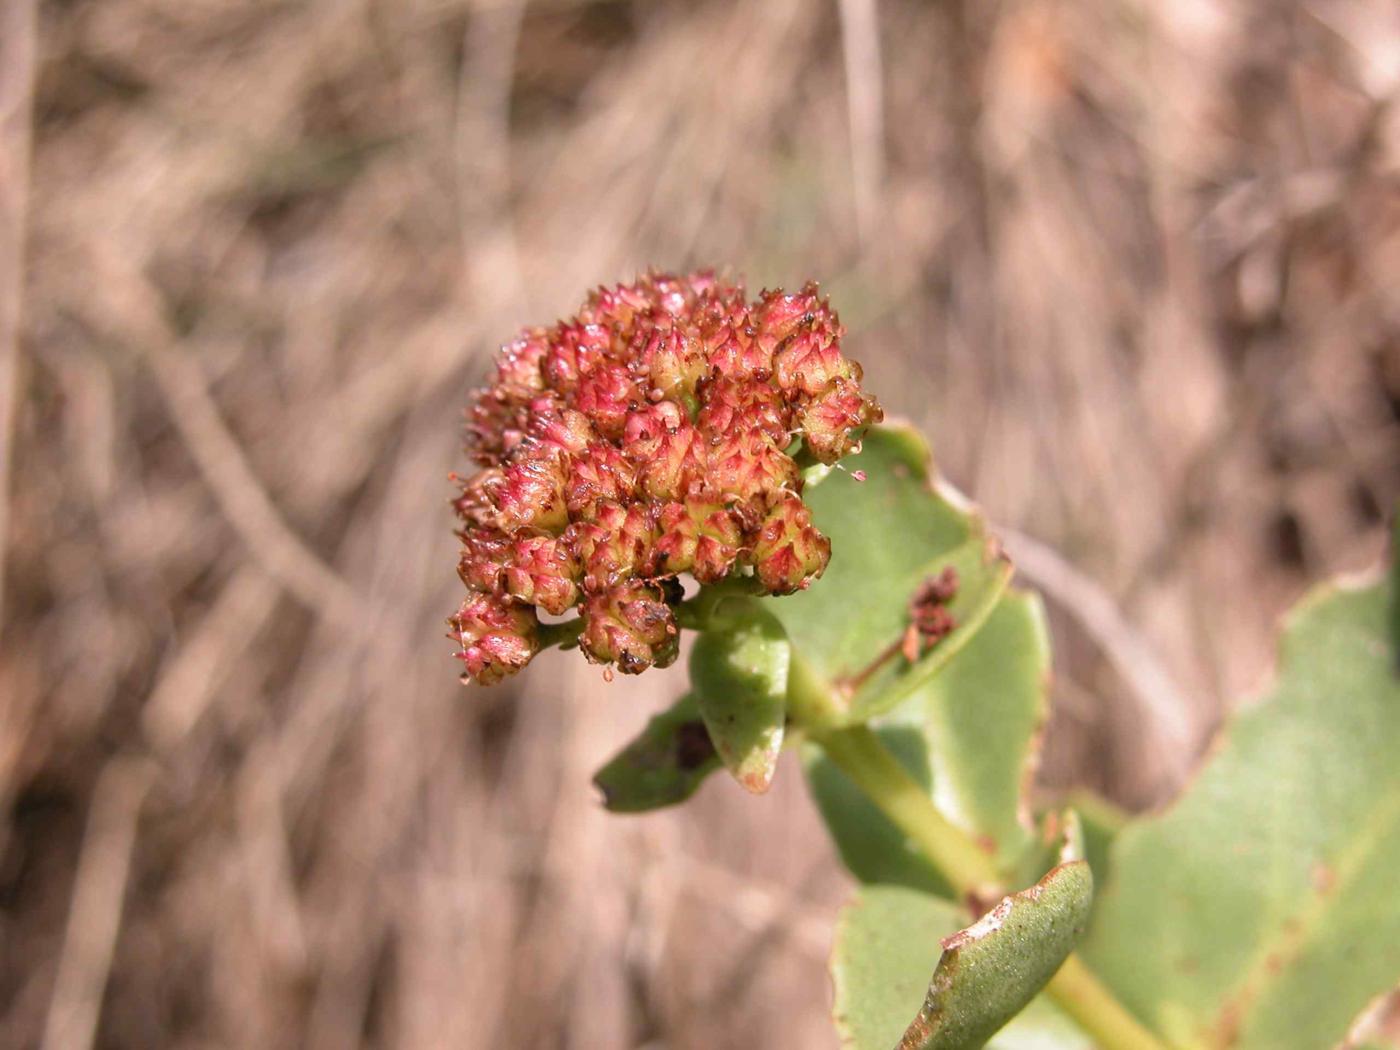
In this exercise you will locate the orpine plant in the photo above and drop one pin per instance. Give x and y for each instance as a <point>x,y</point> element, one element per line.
<point>674,432</point>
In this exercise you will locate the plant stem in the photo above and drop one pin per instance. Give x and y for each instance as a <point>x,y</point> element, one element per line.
<point>1080,994</point>
<point>858,752</point>
<point>565,633</point>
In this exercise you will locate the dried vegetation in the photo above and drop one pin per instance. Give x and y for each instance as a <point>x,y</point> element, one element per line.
<point>1132,265</point>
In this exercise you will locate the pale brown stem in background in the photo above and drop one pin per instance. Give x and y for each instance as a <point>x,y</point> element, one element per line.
<point>17,47</point>
<point>865,108</point>
<point>98,894</point>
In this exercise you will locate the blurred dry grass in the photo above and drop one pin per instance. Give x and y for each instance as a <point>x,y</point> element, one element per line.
<point>1132,265</point>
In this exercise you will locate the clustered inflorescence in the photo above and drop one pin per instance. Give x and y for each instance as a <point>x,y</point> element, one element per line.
<point>649,436</point>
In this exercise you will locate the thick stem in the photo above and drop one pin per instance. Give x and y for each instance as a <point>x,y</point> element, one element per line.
<point>565,633</point>
<point>1080,994</point>
<point>859,754</point>
<point>857,751</point>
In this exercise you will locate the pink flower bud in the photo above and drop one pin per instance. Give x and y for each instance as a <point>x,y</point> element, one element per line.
<point>807,338</point>
<point>529,491</point>
<point>485,554</point>
<point>565,429</point>
<point>497,639</point>
<point>575,350</point>
<point>605,395</point>
<point>542,572</point>
<point>789,552</point>
<point>832,421</point>
<point>518,366</point>
<point>673,360</point>
<point>614,546</point>
<point>667,449</point>
<point>749,464</point>
<point>599,473</point>
<point>699,537</point>
<point>631,626</point>
<point>739,406</point>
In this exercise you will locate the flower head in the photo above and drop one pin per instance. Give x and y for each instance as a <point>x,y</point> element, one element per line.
<point>650,435</point>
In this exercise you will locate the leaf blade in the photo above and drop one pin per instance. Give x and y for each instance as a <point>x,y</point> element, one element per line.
<point>739,675</point>
<point>985,975</point>
<point>889,533</point>
<point>1256,912</point>
<point>663,765</point>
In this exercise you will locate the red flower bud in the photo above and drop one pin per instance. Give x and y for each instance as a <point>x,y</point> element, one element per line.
<point>832,422</point>
<point>613,547</point>
<point>496,638</point>
<point>543,572</point>
<point>631,626</point>
<point>789,552</point>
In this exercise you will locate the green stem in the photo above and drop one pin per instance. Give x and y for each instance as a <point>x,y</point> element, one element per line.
<point>565,633</point>
<point>1083,996</point>
<point>857,751</point>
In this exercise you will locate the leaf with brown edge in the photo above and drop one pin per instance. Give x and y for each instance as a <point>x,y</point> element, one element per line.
<point>987,973</point>
<point>663,765</point>
<point>892,528</point>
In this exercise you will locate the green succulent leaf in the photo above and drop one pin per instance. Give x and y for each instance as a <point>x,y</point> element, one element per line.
<point>1101,821</point>
<point>1259,911</point>
<point>889,533</point>
<point>888,941</point>
<point>739,674</point>
<point>664,764</point>
<point>1097,822</point>
<point>985,975</point>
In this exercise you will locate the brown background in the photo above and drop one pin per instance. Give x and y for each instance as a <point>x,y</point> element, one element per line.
<point>1132,266</point>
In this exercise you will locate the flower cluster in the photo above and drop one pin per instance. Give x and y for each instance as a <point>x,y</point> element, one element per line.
<point>649,436</point>
<point>930,620</point>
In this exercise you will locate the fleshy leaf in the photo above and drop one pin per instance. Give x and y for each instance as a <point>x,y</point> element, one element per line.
<point>889,533</point>
<point>663,766</point>
<point>739,674</point>
<point>969,736</point>
<point>986,974</point>
<point>1101,822</point>
<point>1259,910</point>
